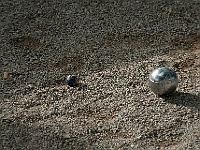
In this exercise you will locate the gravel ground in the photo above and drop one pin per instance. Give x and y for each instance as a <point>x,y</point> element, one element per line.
<point>112,46</point>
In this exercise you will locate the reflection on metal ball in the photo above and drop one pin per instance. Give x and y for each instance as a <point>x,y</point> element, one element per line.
<point>71,80</point>
<point>163,81</point>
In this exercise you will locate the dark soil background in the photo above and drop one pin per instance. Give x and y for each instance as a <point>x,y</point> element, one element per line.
<point>112,46</point>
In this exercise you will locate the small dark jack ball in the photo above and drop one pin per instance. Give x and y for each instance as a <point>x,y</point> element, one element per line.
<point>71,80</point>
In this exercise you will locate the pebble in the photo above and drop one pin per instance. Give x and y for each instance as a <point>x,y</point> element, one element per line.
<point>5,75</point>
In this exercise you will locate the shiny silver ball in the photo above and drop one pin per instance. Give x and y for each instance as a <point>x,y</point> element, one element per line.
<point>163,81</point>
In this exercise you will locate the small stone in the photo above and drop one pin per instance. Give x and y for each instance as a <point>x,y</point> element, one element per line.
<point>132,145</point>
<point>5,75</point>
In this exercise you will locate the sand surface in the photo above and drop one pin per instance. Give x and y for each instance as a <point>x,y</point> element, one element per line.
<point>112,46</point>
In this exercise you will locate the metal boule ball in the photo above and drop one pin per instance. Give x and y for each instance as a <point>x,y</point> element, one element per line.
<point>71,80</point>
<point>163,81</point>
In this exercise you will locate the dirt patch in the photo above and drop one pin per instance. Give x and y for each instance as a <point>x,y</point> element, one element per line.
<point>188,54</point>
<point>74,63</point>
<point>71,63</point>
<point>133,39</point>
<point>196,48</point>
<point>190,43</point>
<point>162,143</point>
<point>185,63</point>
<point>27,42</point>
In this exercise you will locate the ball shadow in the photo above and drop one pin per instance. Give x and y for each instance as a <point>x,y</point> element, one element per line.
<point>184,99</point>
<point>81,86</point>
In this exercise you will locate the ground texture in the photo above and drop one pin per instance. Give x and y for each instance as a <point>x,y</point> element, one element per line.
<point>112,46</point>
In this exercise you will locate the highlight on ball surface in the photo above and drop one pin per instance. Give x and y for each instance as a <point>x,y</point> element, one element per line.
<point>163,81</point>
